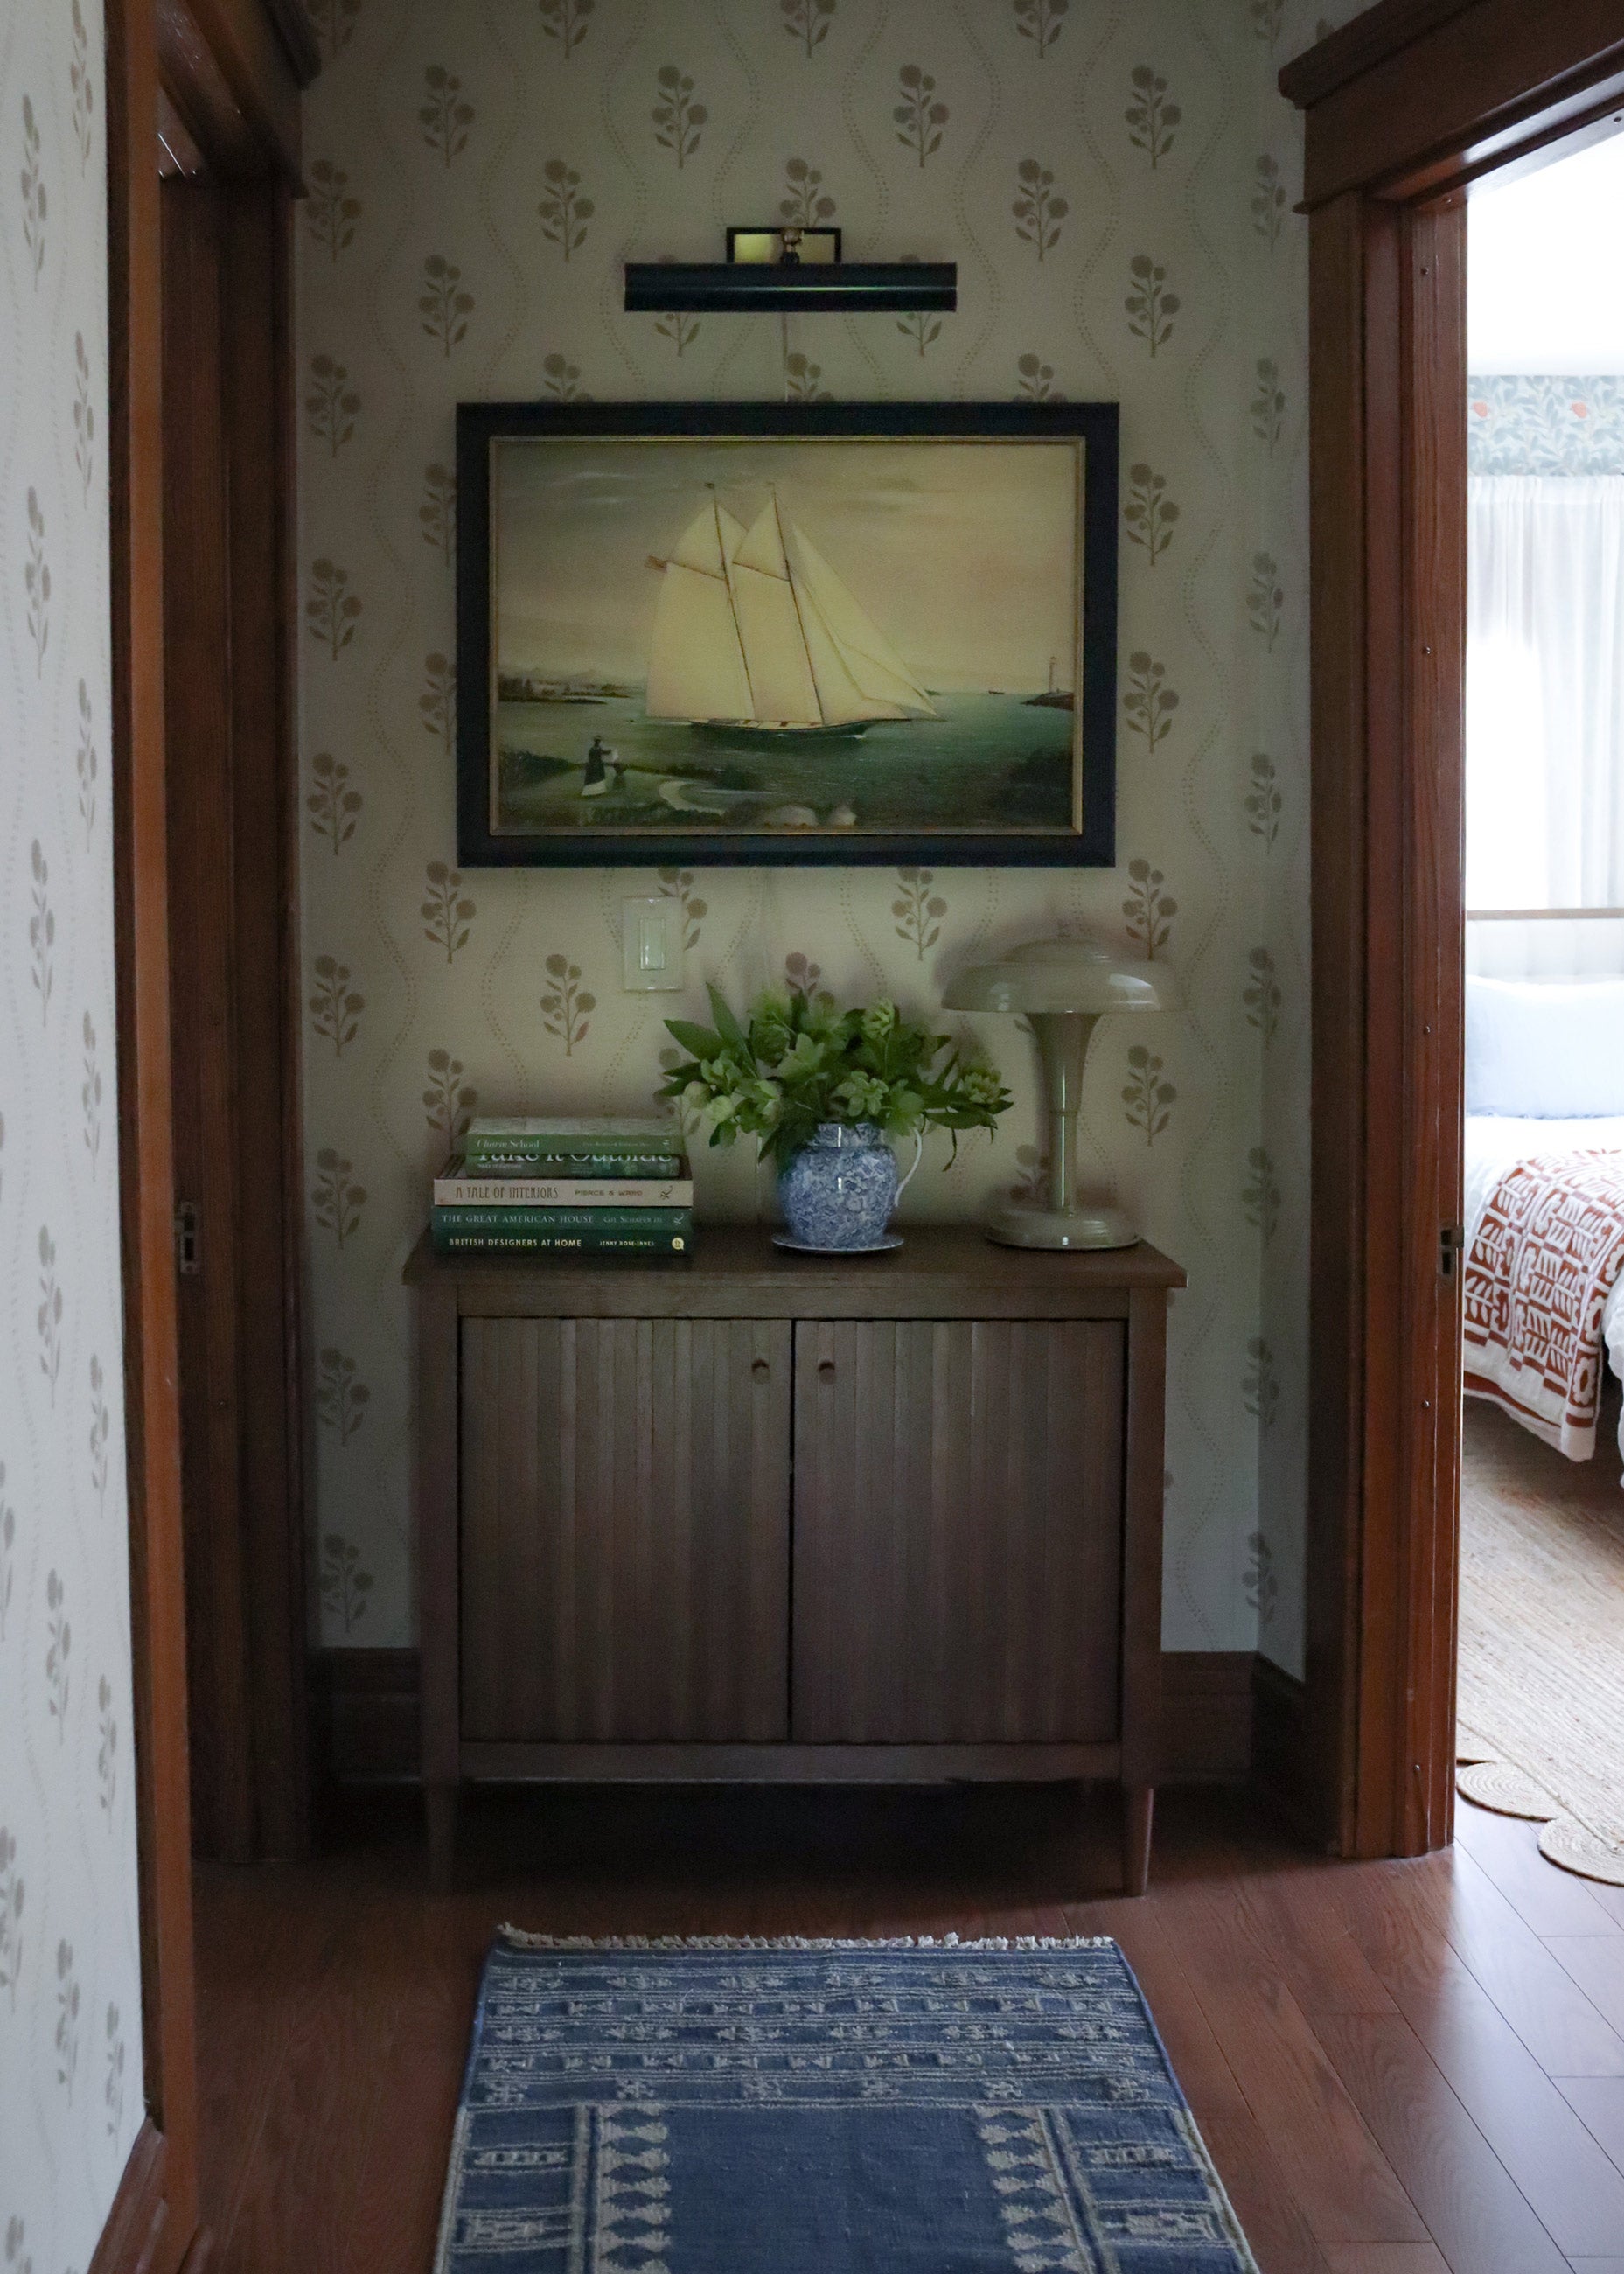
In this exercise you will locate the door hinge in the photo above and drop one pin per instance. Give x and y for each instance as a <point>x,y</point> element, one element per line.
<point>186,1238</point>
<point>1451,1243</point>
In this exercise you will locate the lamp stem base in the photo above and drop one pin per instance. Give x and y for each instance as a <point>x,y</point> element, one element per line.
<point>1019,1226</point>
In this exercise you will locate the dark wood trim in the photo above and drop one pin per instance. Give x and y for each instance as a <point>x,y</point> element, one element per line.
<point>134,2231</point>
<point>1417,96</point>
<point>1405,100</point>
<point>1433,768</point>
<point>230,568</point>
<point>294,31</point>
<point>226,66</point>
<point>1142,1494</point>
<point>145,1178</point>
<point>177,149</point>
<point>1359,45</point>
<point>434,1441</point>
<point>1206,1715</point>
<point>1281,1762</point>
<point>767,1763</point>
<point>276,1408</point>
<point>164,2166</point>
<point>199,668</point>
<point>366,1707</point>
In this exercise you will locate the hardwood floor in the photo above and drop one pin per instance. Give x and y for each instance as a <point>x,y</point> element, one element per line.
<point>1542,1608</point>
<point>1400,2068</point>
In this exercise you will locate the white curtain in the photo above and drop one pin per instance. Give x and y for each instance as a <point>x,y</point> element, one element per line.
<point>1544,691</point>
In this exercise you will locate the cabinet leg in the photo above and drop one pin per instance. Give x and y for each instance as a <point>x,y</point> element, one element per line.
<point>440,1806</point>
<point>1138,1802</point>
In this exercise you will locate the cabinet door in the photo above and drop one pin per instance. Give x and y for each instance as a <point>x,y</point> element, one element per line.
<point>958,1565</point>
<point>625,1537</point>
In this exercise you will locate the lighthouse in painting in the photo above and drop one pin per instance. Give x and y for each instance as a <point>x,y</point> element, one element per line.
<point>756,635</point>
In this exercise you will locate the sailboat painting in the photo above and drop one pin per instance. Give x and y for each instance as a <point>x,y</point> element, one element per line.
<point>781,646</point>
<point>755,632</point>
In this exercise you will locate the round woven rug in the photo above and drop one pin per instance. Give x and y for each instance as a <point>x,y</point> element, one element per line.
<point>1542,1639</point>
<point>1569,1844</point>
<point>1508,1791</point>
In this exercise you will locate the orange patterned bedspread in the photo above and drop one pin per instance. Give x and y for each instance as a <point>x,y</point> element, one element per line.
<point>1546,1254</point>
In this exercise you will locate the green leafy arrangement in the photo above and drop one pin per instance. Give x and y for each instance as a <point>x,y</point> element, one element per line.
<point>800,1061</point>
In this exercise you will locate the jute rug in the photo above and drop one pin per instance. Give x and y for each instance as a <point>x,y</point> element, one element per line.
<point>1541,1698</point>
<point>825,2108</point>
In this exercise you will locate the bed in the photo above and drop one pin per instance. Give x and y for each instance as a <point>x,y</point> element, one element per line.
<point>1543,1201</point>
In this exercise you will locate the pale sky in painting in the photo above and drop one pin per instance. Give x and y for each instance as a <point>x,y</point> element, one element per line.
<point>961,552</point>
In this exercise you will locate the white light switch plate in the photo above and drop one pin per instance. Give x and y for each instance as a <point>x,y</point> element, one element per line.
<point>651,935</point>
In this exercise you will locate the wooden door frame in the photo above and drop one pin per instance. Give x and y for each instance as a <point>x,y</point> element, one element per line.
<point>233,807</point>
<point>1405,107</point>
<point>155,2220</point>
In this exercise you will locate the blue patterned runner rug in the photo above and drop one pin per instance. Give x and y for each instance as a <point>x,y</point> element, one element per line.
<point>825,2108</point>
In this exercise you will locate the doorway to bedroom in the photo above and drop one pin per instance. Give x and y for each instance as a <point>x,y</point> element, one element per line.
<point>1541,1647</point>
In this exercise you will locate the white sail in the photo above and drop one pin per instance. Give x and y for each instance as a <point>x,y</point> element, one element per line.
<point>696,667</point>
<point>840,699</point>
<point>769,628</point>
<point>756,628</point>
<point>884,681</point>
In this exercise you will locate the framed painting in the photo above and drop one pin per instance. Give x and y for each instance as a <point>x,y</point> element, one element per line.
<point>818,632</point>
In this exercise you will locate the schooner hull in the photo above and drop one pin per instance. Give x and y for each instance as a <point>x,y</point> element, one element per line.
<point>747,733</point>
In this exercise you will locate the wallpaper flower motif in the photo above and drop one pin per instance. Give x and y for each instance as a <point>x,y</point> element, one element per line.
<point>1097,174</point>
<point>1148,909</point>
<point>1041,22</point>
<point>69,1938</point>
<point>808,21</point>
<point>1149,514</point>
<point>1153,121</point>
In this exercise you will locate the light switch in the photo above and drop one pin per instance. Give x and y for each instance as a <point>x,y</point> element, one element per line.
<point>651,933</point>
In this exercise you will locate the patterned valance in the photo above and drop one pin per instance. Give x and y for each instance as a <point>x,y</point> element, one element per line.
<point>1519,423</point>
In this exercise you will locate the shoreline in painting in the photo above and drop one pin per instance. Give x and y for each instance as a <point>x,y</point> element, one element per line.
<point>1008,753</point>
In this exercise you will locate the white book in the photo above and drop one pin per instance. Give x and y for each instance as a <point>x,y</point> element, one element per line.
<point>563,1191</point>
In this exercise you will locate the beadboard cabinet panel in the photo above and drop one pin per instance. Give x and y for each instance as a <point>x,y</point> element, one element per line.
<point>625,1530</point>
<point>957,1531</point>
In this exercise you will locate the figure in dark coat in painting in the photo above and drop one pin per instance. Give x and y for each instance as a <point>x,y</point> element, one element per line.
<point>602,768</point>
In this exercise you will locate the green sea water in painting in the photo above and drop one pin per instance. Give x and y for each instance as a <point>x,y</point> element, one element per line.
<point>988,762</point>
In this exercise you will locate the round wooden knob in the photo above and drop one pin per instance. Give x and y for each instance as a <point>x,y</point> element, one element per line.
<point>760,1368</point>
<point>826,1369</point>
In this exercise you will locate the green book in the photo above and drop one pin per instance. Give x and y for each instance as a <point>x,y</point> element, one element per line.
<point>608,1137</point>
<point>449,1241</point>
<point>666,1221</point>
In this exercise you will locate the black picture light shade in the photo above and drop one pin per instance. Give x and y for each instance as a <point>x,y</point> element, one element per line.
<point>662,287</point>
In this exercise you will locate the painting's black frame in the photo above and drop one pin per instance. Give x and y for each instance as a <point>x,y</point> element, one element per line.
<point>1095,424</point>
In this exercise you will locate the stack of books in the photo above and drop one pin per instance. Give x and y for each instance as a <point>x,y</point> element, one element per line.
<point>549,1184</point>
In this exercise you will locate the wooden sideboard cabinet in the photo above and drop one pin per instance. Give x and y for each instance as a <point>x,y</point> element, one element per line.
<point>761,1516</point>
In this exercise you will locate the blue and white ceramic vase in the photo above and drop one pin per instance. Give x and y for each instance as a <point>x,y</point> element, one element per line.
<point>840,1190</point>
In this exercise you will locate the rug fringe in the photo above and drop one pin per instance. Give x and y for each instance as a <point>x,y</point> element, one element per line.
<point>519,1939</point>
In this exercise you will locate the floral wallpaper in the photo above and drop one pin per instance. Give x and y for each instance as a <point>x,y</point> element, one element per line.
<point>70,1967</point>
<point>1116,180</point>
<point>1519,423</point>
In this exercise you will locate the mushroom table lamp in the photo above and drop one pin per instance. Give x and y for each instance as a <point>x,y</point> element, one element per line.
<point>1064,986</point>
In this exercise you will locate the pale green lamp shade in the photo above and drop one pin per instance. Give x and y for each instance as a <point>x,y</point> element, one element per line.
<point>1075,976</point>
<point>1064,986</point>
